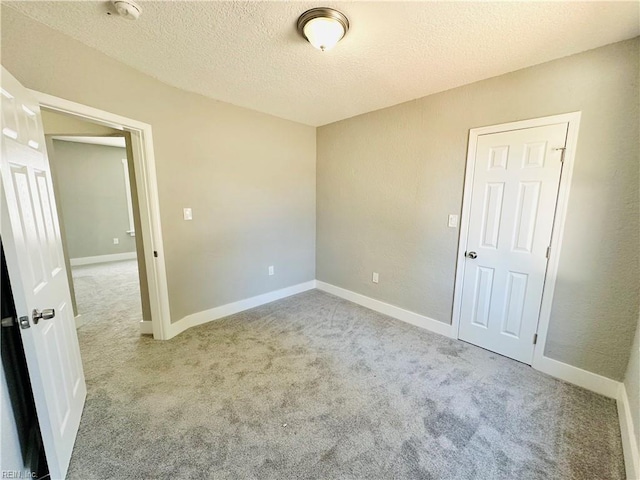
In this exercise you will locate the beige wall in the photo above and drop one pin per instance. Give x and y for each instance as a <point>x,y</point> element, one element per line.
<point>60,124</point>
<point>387,180</point>
<point>249,177</point>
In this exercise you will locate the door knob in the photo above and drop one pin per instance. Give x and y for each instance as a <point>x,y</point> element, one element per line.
<point>46,314</point>
<point>471,255</point>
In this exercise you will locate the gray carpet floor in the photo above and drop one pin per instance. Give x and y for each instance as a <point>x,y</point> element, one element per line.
<point>316,387</point>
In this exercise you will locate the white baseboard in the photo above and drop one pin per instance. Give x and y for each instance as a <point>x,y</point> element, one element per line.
<point>146,327</point>
<point>114,257</point>
<point>390,310</point>
<point>582,378</point>
<point>577,376</point>
<point>236,307</point>
<point>629,443</point>
<point>79,321</point>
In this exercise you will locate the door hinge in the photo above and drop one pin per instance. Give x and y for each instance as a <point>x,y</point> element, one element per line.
<point>562,150</point>
<point>548,252</point>
<point>7,322</point>
<point>535,338</point>
<point>155,253</point>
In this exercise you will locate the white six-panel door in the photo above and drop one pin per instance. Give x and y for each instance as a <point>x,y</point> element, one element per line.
<point>31,237</point>
<point>513,199</point>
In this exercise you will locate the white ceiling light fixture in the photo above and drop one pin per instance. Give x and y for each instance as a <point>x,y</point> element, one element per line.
<point>323,27</point>
<point>127,9</point>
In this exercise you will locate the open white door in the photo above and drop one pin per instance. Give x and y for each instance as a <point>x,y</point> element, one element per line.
<point>31,238</point>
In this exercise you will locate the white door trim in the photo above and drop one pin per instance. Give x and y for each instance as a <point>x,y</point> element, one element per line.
<point>147,186</point>
<point>573,119</point>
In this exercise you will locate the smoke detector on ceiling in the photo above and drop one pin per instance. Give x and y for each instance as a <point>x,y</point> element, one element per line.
<point>127,9</point>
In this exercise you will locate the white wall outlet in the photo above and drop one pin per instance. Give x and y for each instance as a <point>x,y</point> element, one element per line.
<point>116,241</point>
<point>453,221</point>
<point>187,214</point>
<point>271,270</point>
<point>375,277</point>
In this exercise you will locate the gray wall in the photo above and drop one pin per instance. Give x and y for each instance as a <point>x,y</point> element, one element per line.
<point>92,195</point>
<point>249,177</point>
<point>632,383</point>
<point>387,180</point>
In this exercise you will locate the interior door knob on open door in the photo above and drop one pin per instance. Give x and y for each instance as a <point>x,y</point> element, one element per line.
<point>46,314</point>
<point>471,255</point>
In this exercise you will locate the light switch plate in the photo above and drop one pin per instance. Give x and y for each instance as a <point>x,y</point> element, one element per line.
<point>453,221</point>
<point>187,214</point>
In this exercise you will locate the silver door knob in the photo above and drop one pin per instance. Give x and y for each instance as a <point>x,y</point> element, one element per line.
<point>46,314</point>
<point>471,255</point>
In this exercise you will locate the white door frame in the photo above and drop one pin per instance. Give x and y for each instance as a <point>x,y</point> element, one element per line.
<point>573,119</point>
<point>147,187</point>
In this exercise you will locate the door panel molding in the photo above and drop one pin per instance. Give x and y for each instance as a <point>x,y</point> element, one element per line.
<point>573,119</point>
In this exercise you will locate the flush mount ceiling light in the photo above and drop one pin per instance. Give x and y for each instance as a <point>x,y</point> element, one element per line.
<point>323,27</point>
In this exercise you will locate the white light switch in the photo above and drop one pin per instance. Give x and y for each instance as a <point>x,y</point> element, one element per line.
<point>453,221</point>
<point>116,241</point>
<point>187,214</point>
<point>375,277</point>
<point>271,271</point>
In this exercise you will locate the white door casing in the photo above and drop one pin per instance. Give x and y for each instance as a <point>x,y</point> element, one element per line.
<point>31,238</point>
<point>148,201</point>
<point>516,175</point>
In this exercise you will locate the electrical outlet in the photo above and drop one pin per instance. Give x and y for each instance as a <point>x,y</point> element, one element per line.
<point>453,221</point>
<point>271,270</point>
<point>375,277</point>
<point>116,241</point>
<point>187,214</point>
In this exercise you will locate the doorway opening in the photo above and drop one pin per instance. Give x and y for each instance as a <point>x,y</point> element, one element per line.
<point>141,169</point>
<point>98,213</point>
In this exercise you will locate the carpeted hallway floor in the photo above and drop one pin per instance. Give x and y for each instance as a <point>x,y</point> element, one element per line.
<point>313,386</point>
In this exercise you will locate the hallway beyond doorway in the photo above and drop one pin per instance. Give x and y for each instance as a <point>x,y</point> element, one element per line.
<point>108,296</point>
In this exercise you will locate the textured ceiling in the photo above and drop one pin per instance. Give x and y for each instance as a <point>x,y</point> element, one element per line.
<point>249,53</point>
